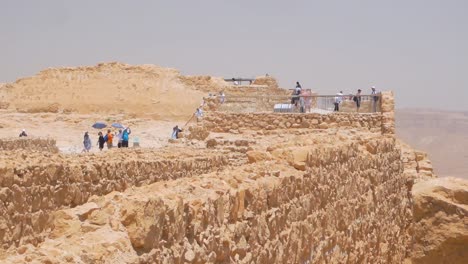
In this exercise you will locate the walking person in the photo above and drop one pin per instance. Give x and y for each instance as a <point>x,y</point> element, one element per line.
<point>199,114</point>
<point>101,141</point>
<point>338,100</point>
<point>375,98</point>
<point>175,132</point>
<point>109,137</point>
<point>119,138</point>
<point>86,142</point>
<point>125,137</point>
<point>357,100</point>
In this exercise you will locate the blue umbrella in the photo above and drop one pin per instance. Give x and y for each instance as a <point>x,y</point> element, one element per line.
<point>118,125</point>
<point>99,125</point>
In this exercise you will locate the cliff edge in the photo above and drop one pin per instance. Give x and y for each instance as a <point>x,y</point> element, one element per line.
<point>440,221</point>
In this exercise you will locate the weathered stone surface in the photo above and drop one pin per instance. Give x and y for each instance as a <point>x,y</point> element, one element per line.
<point>256,156</point>
<point>222,121</point>
<point>388,112</point>
<point>441,221</point>
<point>348,202</point>
<point>32,190</point>
<point>30,144</point>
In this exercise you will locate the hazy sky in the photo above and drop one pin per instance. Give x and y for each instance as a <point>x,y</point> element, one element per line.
<point>418,48</point>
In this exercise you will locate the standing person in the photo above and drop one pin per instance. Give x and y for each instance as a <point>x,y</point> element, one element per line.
<point>375,98</point>
<point>338,100</point>
<point>125,137</point>
<point>175,132</point>
<point>298,88</point>
<point>296,94</point>
<point>86,142</point>
<point>101,141</point>
<point>199,114</point>
<point>357,99</point>
<point>222,97</point>
<point>109,138</point>
<point>23,133</point>
<point>119,138</point>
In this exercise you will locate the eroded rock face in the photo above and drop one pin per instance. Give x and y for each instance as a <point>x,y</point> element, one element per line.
<point>30,191</point>
<point>441,221</point>
<point>142,90</point>
<point>347,204</point>
<point>417,164</point>
<point>29,144</point>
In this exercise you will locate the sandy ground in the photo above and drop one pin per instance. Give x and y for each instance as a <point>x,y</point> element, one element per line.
<point>68,129</point>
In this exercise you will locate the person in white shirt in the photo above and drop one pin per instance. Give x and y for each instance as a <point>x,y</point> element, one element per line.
<point>119,138</point>
<point>222,97</point>
<point>199,114</point>
<point>338,100</point>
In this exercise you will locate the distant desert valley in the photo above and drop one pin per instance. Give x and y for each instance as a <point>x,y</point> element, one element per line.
<point>442,134</point>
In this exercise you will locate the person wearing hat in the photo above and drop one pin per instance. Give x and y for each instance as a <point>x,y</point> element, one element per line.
<point>375,98</point>
<point>23,133</point>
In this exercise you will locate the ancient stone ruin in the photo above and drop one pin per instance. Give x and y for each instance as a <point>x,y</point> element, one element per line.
<point>236,188</point>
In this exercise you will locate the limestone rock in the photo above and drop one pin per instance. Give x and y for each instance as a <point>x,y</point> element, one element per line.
<point>441,221</point>
<point>257,156</point>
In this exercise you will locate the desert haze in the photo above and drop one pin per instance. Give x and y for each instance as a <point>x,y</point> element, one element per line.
<point>442,134</point>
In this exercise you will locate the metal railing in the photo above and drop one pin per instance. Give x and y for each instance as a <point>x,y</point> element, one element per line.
<point>300,103</point>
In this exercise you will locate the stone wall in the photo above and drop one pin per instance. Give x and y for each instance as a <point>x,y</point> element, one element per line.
<point>244,115</point>
<point>388,112</point>
<point>30,144</point>
<point>351,205</point>
<point>417,164</point>
<point>34,184</point>
<point>238,122</point>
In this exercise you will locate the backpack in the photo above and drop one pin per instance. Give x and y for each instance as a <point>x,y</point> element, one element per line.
<point>354,98</point>
<point>105,138</point>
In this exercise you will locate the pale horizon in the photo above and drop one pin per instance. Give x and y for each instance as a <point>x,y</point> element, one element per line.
<point>416,48</point>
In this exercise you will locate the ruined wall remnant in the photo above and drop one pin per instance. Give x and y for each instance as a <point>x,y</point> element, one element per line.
<point>417,165</point>
<point>30,144</point>
<point>226,122</point>
<point>350,205</point>
<point>32,185</point>
<point>269,81</point>
<point>388,112</point>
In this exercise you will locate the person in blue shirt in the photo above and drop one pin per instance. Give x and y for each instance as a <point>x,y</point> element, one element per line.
<point>125,136</point>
